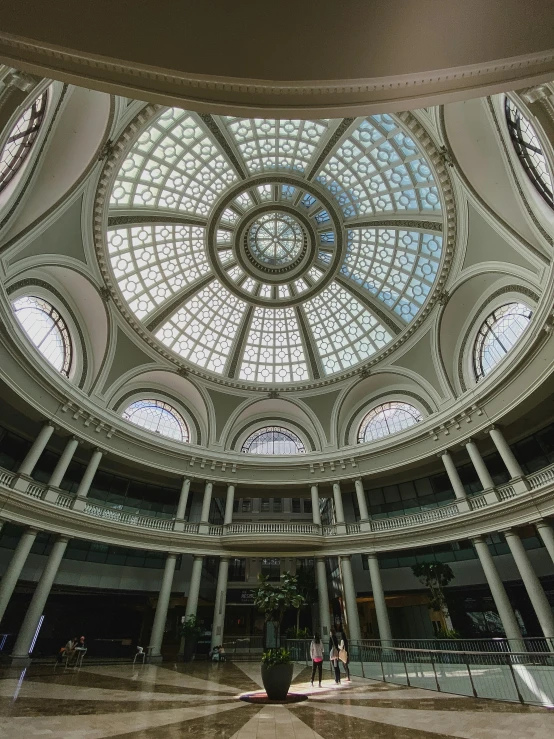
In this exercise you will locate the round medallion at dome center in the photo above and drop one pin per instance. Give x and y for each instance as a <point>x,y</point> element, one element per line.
<point>275,239</point>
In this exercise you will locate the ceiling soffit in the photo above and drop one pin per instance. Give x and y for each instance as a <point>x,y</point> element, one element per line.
<point>388,55</point>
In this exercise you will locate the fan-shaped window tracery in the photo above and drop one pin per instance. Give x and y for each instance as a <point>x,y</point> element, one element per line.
<point>21,139</point>
<point>499,332</point>
<point>273,440</point>
<point>387,418</point>
<point>529,150</point>
<point>158,417</point>
<point>46,329</point>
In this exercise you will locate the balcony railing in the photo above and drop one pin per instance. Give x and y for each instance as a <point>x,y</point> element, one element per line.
<point>137,518</point>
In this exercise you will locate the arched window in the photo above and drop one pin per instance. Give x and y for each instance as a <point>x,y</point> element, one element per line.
<point>46,329</point>
<point>273,440</point>
<point>387,418</point>
<point>529,150</point>
<point>497,335</point>
<point>21,139</point>
<point>157,417</point>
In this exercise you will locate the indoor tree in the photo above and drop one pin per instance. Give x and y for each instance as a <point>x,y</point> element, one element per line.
<point>274,599</point>
<point>436,576</point>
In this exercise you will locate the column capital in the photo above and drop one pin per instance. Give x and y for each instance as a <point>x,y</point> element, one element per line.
<point>544,522</point>
<point>196,557</point>
<point>532,94</point>
<point>345,556</point>
<point>20,80</point>
<point>172,555</point>
<point>479,538</point>
<point>63,539</point>
<point>320,559</point>
<point>373,555</point>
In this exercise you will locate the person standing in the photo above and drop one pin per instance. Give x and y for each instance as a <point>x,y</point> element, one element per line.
<point>344,654</point>
<point>316,653</point>
<point>334,653</point>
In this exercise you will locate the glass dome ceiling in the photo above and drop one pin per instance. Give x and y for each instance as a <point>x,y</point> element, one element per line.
<point>273,251</point>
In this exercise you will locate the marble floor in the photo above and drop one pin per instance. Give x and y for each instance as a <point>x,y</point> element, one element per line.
<point>200,701</point>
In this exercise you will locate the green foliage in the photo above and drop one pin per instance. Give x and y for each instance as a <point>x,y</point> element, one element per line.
<point>448,634</point>
<point>273,599</point>
<point>435,576</point>
<point>294,633</point>
<point>273,657</point>
<point>190,628</point>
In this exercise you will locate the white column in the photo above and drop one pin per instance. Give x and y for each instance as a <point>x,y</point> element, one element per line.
<point>479,463</point>
<point>381,612</point>
<point>360,495</point>
<point>36,607</point>
<point>547,535</point>
<point>532,584</point>
<point>183,499</point>
<point>39,444</point>
<point>323,598</point>
<point>499,595</point>
<point>206,502</point>
<point>337,497</point>
<point>160,617</point>
<point>220,602</point>
<point>88,477</point>
<point>506,453</point>
<point>63,462</point>
<point>316,513</point>
<point>229,502</point>
<point>17,562</point>
<point>194,588</point>
<point>453,476</point>
<point>352,616</point>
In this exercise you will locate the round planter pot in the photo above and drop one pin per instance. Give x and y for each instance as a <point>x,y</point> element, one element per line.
<point>277,680</point>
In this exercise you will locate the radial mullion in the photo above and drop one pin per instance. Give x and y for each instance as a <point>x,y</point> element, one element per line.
<point>171,306</point>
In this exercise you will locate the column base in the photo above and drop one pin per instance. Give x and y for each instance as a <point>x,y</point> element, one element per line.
<point>203,527</point>
<point>51,495</point>
<point>490,495</point>
<point>21,660</point>
<point>21,483</point>
<point>463,505</point>
<point>365,525</point>
<point>79,504</point>
<point>341,528</point>
<point>155,658</point>
<point>520,484</point>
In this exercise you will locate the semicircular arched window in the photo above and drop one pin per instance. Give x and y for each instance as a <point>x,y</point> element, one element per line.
<point>46,329</point>
<point>387,418</point>
<point>499,332</point>
<point>21,139</point>
<point>273,440</point>
<point>157,417</point>
<point>528,148</point>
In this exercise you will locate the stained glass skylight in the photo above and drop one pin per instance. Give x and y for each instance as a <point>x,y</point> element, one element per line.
<point>387,418</point>
<point>226,235</point>
<point>157,417</point>
<point>498,334</point>
<point>46,329</point>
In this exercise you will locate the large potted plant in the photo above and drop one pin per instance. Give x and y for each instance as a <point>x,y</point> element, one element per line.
<point>273,599</point>
<point>276,673</point>
<point>190,631</point>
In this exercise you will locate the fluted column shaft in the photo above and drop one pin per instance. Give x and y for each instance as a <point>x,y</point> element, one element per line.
<point>194,588</point>
<point>220,602</point>
<point>183,499</point>
<point>381,612</point>
<point>17,562</point>
<point>360,495</point>
<point>31,458</point>
<point>323,598</point>
<point>547,535</point>
<point>479,463</point>
<point>498,592</point>
<point>506,453</point>
<point>88,477</point>
<point>337,498</point>
<point>38,601</point>
<point>206,502</point>
<point>532,584</point>
<point>63,462</point>
<point>316,513</point>
<point>453,476</point>
<point>350,599</point>
<point>229,502</point>
<point>160,617</point>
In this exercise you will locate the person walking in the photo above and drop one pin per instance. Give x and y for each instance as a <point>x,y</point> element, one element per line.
<point>316,653</point>
<point>334,649</point>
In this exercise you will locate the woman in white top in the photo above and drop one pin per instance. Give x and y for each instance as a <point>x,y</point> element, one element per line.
<point>316,653</point>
